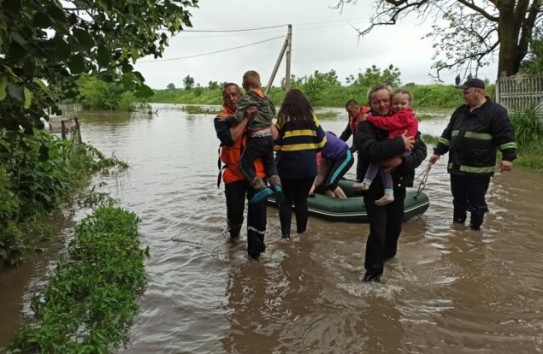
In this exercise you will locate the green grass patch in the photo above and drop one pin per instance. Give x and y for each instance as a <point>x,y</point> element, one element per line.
<point>90,302</point>
<point>326,115</point>
<point>190,109</point>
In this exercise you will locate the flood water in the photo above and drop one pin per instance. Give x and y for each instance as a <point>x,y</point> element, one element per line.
<point>450,289</point>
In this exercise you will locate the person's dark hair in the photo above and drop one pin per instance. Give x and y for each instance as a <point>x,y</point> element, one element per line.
<point>350,103</point>
<point>378,87</point>
<point>296,109</point>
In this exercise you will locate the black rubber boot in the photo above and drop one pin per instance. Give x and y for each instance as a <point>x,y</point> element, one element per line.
<point>459,216</point>
<point>476,220</point>
<point>234,232</point>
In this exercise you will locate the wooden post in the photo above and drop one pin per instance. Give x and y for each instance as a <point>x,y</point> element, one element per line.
<point>272,77</point>
<point>63,129</point>
<point>289,52</point>
<point>78,130</point>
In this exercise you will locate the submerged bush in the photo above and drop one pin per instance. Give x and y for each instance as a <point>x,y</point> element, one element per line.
<point>38,172</point>
<point>90,302</point>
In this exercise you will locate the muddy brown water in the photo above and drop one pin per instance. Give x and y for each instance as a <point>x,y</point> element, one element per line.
<point>450,290</point>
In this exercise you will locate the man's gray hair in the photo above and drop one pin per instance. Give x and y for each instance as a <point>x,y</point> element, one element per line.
<point>381,86</point>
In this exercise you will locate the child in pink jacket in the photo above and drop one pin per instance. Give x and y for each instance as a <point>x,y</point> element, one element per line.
<point>401,120</point>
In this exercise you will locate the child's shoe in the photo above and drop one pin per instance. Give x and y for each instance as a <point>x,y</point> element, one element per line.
<point>386,199</point>
<point>261,196</point>
<point>275,184</point>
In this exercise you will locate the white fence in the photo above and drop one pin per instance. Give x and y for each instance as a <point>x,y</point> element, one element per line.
<point>520,92</point>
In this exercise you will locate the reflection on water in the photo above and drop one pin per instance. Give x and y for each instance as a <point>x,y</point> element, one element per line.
<point>449,290</point>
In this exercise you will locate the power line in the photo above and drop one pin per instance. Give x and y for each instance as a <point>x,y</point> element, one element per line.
<point>234,30</point>
<point>214,52</point>
<point>269,27</point>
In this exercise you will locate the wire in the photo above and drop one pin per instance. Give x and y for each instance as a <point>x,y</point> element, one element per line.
<point>214,52</point>
<point>234,30</point>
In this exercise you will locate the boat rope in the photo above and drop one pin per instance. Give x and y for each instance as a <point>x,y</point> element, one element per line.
<point>424,177</point>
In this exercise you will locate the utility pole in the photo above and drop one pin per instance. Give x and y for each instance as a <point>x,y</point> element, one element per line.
<point>289,51</point>
<point>287,48</point>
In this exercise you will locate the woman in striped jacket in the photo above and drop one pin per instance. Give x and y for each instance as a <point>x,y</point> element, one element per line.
<point>300,136</point>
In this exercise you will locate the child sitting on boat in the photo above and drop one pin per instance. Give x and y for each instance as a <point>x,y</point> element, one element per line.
<point>259,138</point>
<point>335,160</point>
<point>401,120</point>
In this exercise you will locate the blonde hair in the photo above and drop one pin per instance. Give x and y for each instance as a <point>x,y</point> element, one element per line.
<point>251,80</point>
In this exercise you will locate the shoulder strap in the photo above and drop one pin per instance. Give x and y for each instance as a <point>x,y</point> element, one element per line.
<point>221,168</point>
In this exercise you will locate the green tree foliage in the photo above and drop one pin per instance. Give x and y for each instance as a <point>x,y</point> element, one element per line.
<point>213,85</point>
<point>313,84</point>
<point>95,93</point>
<point>188,82</point>
<point>375,75</point>
<point>471,32</point>
<point>36,179</point>
<point>170,86</point>
<point>45,45</point>
<point>533,64</point>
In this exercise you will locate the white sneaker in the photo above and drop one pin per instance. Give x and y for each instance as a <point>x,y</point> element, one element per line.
<point>386,199</point>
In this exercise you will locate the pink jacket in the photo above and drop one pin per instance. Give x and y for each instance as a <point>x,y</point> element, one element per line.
<point>396,123</point>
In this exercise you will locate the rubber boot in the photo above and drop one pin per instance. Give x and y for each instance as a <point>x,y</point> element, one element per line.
<point>476,220</point>
<point>235,232</point>
<point>459,216</point>
<point>262,192</point>
<point>275,183</point>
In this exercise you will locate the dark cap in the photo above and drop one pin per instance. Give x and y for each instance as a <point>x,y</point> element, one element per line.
<point>473,82</point>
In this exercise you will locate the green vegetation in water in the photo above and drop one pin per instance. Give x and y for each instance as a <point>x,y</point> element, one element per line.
<point>90,302</point>
<point>37,174</point>
<point>326,115</point>
<point>201,110</point>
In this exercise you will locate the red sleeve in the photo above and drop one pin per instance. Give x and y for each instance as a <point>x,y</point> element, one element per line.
<point>388,123</point>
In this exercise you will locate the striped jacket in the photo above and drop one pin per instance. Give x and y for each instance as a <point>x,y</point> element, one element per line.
<point>297,149</point>
<point>473,138</point>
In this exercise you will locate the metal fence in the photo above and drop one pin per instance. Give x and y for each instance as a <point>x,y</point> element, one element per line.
<point>520,92</point>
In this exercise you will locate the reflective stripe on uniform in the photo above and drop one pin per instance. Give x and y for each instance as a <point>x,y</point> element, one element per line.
<point>511,145</point>
<point>480,136</point>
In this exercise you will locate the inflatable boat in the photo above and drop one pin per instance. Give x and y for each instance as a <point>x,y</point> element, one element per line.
<point>352,209</point>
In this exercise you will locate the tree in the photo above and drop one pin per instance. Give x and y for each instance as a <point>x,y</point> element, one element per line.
<point>213,85</point>
<point>533,64</point>
<point>188,81</point>
<point>471,31</point>
<point>374,75</point>
<point>171,86</point>
<point>45,45</point>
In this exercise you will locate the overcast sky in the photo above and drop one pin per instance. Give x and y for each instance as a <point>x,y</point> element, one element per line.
<point>323,39</point>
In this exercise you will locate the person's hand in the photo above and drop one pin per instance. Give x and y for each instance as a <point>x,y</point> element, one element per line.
<point>434,158</point>
<point>250,110</point>
<point>408,141</point>
<point>392,163</point>
<point>222,116</point>
<point>506,166</point>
